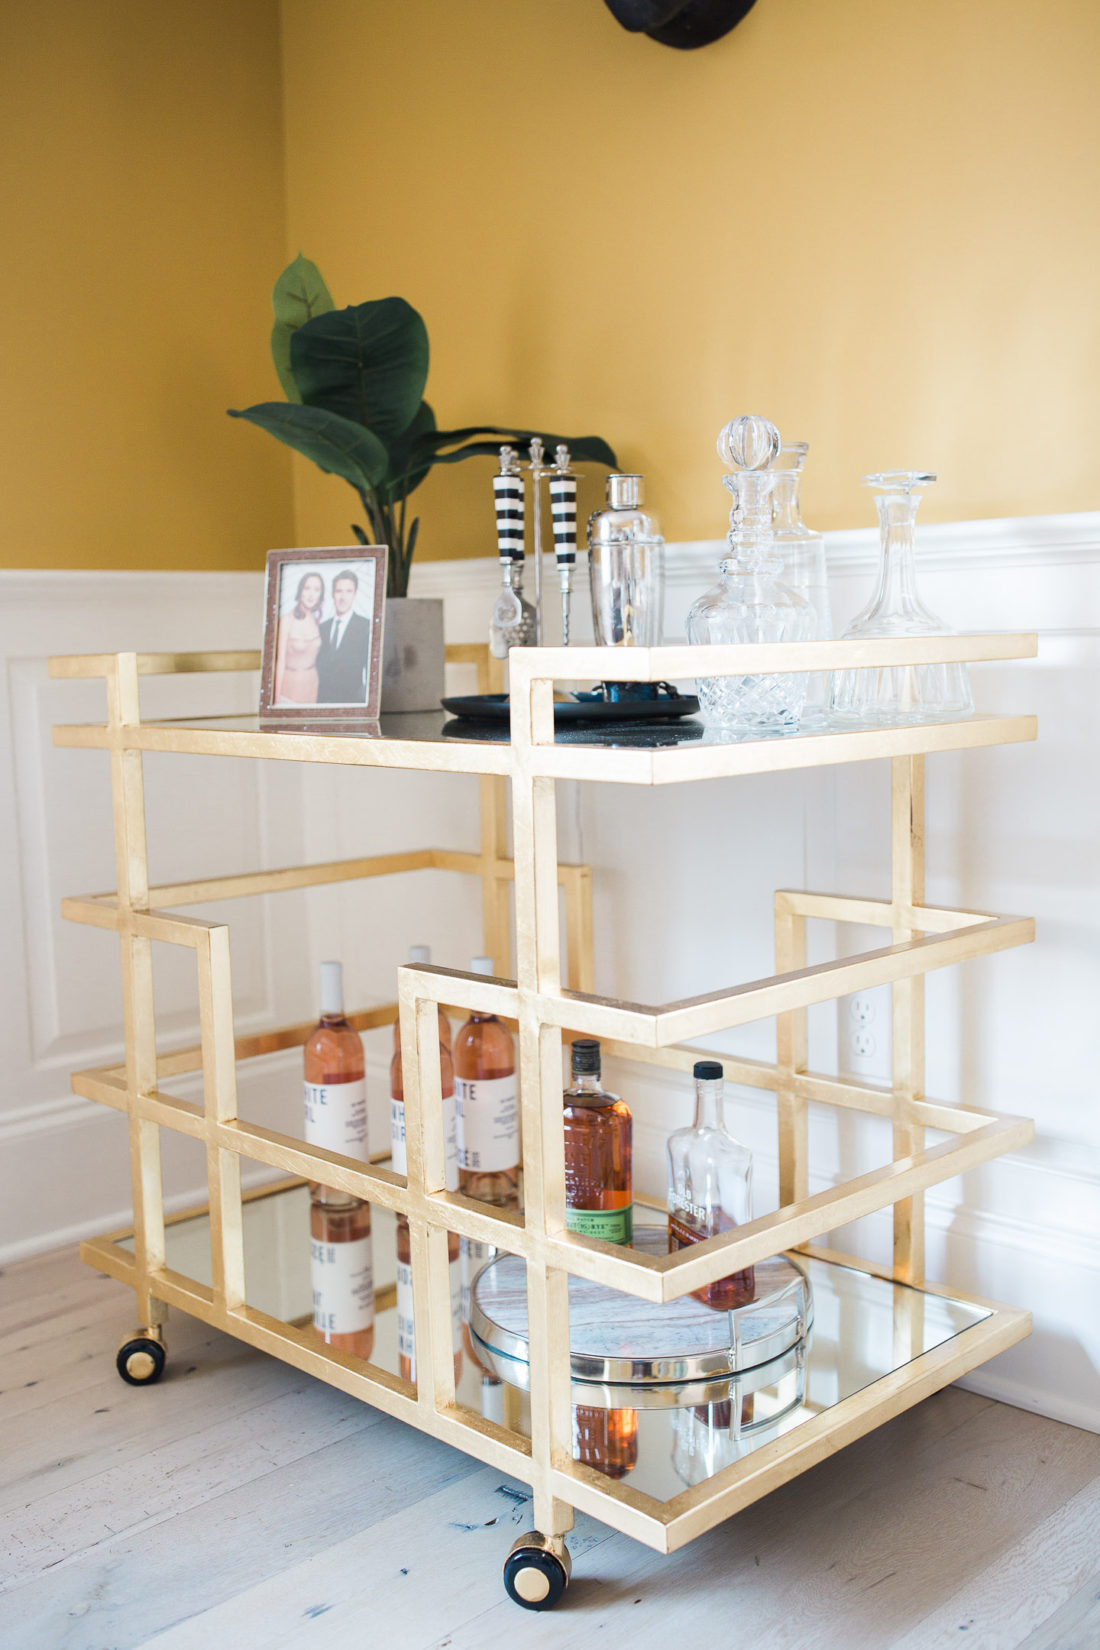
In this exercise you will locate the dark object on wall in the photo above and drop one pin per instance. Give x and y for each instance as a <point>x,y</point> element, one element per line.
<point>681,23</point>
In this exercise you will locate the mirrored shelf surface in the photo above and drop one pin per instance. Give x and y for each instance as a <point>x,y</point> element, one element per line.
<point>660,1441</point>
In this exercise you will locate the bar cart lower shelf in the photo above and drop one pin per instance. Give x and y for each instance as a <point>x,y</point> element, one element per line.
<point>666,1468</point>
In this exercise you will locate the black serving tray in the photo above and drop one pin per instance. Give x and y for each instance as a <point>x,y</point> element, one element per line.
<point>494,707</point>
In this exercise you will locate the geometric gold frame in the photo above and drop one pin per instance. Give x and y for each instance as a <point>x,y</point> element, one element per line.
<point>545,1011</point>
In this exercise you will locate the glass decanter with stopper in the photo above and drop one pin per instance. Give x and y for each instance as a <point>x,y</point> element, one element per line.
<point>599,1149</point>
<point>802,554</point>
<point>751,604</point>
<point>710,1186</point>
<point>899,693</point>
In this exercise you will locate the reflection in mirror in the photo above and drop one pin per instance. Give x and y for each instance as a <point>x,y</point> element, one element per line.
<point>661,1438</point>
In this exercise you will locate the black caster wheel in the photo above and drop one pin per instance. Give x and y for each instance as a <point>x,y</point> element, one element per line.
<point>535,1574</point>
<point>140,1361</point>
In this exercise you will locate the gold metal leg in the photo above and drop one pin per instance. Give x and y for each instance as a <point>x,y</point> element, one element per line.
<point>907,892</point>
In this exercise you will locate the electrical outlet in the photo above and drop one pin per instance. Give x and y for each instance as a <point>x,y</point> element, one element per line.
<point>863,1034</point>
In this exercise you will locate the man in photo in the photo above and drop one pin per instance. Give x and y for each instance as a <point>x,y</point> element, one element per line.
<point>344,659</point>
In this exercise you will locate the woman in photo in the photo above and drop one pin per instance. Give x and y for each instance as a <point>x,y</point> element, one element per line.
<point>298,643</point>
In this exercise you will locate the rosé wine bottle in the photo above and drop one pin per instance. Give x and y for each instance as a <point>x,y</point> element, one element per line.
<point>488,1109</point>
<point>339,1223</point>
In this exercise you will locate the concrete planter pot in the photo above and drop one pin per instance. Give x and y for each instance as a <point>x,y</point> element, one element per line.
<point>412,654</point>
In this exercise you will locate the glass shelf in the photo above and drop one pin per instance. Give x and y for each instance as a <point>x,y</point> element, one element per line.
<point>865,1328</point>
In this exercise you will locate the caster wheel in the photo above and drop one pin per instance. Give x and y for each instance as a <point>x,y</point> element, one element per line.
<point>535,1575</point>
<point>141,1361</point>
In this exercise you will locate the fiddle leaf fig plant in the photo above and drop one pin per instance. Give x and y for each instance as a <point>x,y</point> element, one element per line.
<point>354,380</point>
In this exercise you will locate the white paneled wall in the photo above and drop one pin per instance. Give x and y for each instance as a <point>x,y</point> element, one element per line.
<point>683,881</point>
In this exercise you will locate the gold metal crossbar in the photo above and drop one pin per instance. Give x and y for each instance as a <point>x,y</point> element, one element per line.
<point>550,999</point>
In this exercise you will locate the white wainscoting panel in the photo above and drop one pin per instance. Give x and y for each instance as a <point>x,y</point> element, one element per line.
<point>683,881</point>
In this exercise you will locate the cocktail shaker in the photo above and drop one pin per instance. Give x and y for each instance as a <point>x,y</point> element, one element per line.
<point>626,568</point>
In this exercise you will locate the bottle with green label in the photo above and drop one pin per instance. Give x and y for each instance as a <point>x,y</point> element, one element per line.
<point>599,1150</point>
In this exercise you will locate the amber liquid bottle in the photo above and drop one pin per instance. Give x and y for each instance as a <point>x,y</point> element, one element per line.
<point>406,1327</point>
<point>599,1151</point>
<point>488,1108</point>
<point>606,1439</point>
<point>339,1224</point>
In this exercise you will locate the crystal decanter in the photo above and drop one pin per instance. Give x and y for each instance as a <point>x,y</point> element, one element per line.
<point>802,553</point>
<point>751,604</point>
<point>899,693</point>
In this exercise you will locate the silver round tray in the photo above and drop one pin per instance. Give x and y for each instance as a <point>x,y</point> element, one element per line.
<point>616,1339</point>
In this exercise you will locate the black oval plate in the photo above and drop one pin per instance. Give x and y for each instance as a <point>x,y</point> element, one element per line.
<point>493,707</point>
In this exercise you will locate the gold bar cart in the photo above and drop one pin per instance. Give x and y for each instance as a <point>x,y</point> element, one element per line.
<point>548,1003</point>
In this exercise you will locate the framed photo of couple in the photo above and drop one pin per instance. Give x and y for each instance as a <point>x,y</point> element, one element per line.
<point>322,656</point>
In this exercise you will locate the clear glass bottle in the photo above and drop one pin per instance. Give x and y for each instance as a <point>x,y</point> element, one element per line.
<point>710,1186</point>
<point>626,568</point>
<point>606,1439</point>
<point>488,1107</point>
<point>899,693</point>
<point>341,1272</point>
<point>751,604</point>
<point>599,1180</point>
<point>335,1089</point>
<point>406,1326</point>
<point>802,553</point>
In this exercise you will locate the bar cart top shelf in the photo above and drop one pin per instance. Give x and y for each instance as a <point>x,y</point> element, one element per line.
<point>654,753</point>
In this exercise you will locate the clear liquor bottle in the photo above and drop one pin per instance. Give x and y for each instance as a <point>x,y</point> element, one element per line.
<point>710,1186</point>
<point>487,1105</point>
<point>599,1149</point>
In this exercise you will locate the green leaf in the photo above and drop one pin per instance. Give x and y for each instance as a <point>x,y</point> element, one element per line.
<point>590,449</point>
<point>368,363</point>
<point>334,444</point>
<point>300,294</point>
<point>409,462</point>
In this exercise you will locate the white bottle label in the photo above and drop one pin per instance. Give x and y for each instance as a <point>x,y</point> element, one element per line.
<point>398,1151</point>
<point>406,1328</point>
<point>488,1123</point>
<point>343,1286</point>
<point>336,1117</point>
<point>472,1256</point>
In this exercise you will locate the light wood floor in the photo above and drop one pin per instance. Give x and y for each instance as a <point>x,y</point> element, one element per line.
<point>241,1504</point>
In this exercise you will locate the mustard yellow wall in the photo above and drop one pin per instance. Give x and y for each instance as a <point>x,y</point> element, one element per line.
<point>874,220</point>
<point>142,220</point>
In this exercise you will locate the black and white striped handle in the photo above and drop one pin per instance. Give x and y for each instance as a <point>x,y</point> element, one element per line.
<point>508,490</point>
<point>563,508</point>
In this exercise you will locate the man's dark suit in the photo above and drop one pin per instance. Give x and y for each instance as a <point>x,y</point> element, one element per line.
<point>342,671</point>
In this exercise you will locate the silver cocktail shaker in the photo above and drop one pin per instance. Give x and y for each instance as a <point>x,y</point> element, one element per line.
<point>626,568</point>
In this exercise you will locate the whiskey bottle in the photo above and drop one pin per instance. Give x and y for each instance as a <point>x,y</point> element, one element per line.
<point>710,1186</point>
<point>341,1272</point>
<point>488,1111</point>
<point>606,1439</point>
<point>335,1084</point>
<point>406,1326</point>
<point>599,1186</point>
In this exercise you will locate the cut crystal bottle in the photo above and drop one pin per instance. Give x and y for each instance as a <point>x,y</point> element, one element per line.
<point>899,693</point>
<point>710,1186</point>
<point>751,604</point>
<point>802,554</point>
